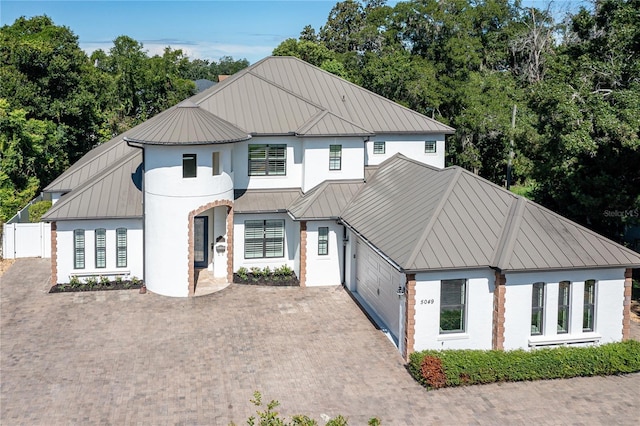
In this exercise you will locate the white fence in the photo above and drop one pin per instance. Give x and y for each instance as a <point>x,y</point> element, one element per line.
<point>26,240</point>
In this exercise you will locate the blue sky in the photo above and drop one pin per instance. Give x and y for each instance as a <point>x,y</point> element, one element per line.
<point>206,29</point>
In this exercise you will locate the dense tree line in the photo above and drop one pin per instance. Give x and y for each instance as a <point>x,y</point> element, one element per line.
<point>56,103</point>
<point>572,86</point>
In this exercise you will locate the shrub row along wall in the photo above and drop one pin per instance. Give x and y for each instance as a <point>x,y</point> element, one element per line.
<point>436,369</point>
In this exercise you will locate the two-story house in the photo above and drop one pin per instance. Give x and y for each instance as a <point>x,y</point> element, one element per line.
<point>285,164</point>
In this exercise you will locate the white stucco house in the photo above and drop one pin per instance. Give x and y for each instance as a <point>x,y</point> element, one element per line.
<point>285,164</point>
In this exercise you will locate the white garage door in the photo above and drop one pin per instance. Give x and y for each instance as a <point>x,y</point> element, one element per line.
<point>377,284</point>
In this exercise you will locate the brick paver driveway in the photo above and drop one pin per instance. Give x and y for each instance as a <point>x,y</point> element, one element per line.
<point>120,358</point>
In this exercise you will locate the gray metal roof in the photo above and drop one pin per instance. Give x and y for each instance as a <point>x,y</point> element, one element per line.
<point>281,95</point>
<point>425,218</point>
<point>326,200</point>
<point>328,124</point>
<point>114,193</point>
<point>264,200</point>
<point>186,124</point>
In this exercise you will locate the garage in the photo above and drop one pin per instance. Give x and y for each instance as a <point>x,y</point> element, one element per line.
<point>376,289</point>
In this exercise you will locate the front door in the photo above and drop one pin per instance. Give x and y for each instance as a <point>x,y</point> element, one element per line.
<point>200,241</point>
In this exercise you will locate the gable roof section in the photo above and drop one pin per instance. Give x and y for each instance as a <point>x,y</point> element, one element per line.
<point>186,124</point>
<point>425,218</point>
<point>280,94</point>
<point>328,124</point>
<point>113,193</point>
<point>325,201</point>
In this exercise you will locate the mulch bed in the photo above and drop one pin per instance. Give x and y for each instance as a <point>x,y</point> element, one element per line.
<point>111,285</point>
<point>277,281</point>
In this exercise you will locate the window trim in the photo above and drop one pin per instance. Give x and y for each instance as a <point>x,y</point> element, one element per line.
<point>335,157</point>
<point>448,307</point>
<point>265,240</point>
<point>589,304</point>
<point>565,308</point>
<point>323,241</point>
<point>269,160</point>
<point>539,308</point>
<point>377,145</point>
<point>100,249</point>
<point>121,248</point>
<point>427,150</point>
<point>187,159</point>
<point>79,237</point>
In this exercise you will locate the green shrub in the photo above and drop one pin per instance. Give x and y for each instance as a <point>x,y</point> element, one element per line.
<point>243,273</point>
<point>469,367</point>
<point>266,272</point>
<point>105,281</point>
<point>283,271</point>
<point>91,282</point>
<point>74,281</point>
<point>36,210</point>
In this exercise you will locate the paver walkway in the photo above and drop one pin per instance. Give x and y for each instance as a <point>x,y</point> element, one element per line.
<point>119,357</point>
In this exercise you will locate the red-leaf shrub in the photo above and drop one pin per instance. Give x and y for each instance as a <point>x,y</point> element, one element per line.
<point>432,371</point>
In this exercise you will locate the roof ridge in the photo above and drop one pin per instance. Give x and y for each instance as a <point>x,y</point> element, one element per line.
<point>316,119</point>
<point>434,216</point>
<point>509,233</point>
<point>227,81</point>
<point>366,90</point>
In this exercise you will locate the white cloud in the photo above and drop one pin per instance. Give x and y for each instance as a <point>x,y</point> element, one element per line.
<point>203,50</point>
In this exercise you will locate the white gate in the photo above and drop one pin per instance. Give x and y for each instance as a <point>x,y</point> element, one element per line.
<point>26,240</point>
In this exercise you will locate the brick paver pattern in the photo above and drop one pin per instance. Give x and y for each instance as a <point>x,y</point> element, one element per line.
<point>120,357</point>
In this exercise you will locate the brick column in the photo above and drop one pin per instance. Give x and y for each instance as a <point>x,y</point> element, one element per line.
<point>303,253</point>
<point>54,253</point>
<point>410,316</point>
<point>626,308</point>
<point>498,311</point>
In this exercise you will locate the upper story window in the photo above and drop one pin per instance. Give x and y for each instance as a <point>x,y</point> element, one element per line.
<point>588,314</point>
<point>430,147</point>
<point>78,248</point>
<point>189,165</point>
<point>323,240</point>
<point>379,147</point>
<point>335,157</point>
<point>267,160</point>
<point>537,309</point>
<point>215,163</point>
<point>452,306</point>
<point>564,298</point>
<point>101,248</point>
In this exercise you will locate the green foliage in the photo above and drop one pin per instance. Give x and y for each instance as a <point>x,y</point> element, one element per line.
<point>91,282</point>
<point>36,210</point>
<point>266,415</point>
<point>243,273</point>
<point>468,367</point>
<point>74,281</point>
<point>283,271</point>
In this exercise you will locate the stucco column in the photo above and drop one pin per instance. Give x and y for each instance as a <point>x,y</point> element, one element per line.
<point>410,317</point>
<point>303,253</point>
<point>499,291</point>
<point>230,244</point>
<point>54,254</point>
<point>626,308</point>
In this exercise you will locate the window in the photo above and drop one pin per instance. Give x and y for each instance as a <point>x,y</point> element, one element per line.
<point>452,306</point>
<point>267,160</point>
<point>101,248</point>
<point>323,240</point>
<point>335,157</point>
<point>189,165</point>
<point>263,238</point>
<point>589,305</point>
<point>378,147</point>
<point>564,293</point>
<point>430,147</point>
<point>78,248</point>
<point>121,247</point>
<point>215,163</point>
<point>537,309</point>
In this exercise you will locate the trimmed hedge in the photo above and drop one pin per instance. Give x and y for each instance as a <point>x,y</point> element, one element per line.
<point>470,367</point>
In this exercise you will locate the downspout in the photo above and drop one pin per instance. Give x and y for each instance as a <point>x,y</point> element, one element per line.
<point>144,234</point>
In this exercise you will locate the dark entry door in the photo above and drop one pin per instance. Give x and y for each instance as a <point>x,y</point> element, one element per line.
<point>200,241</point>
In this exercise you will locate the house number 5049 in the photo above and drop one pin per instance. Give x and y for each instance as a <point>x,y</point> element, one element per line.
<point>426,301</point>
